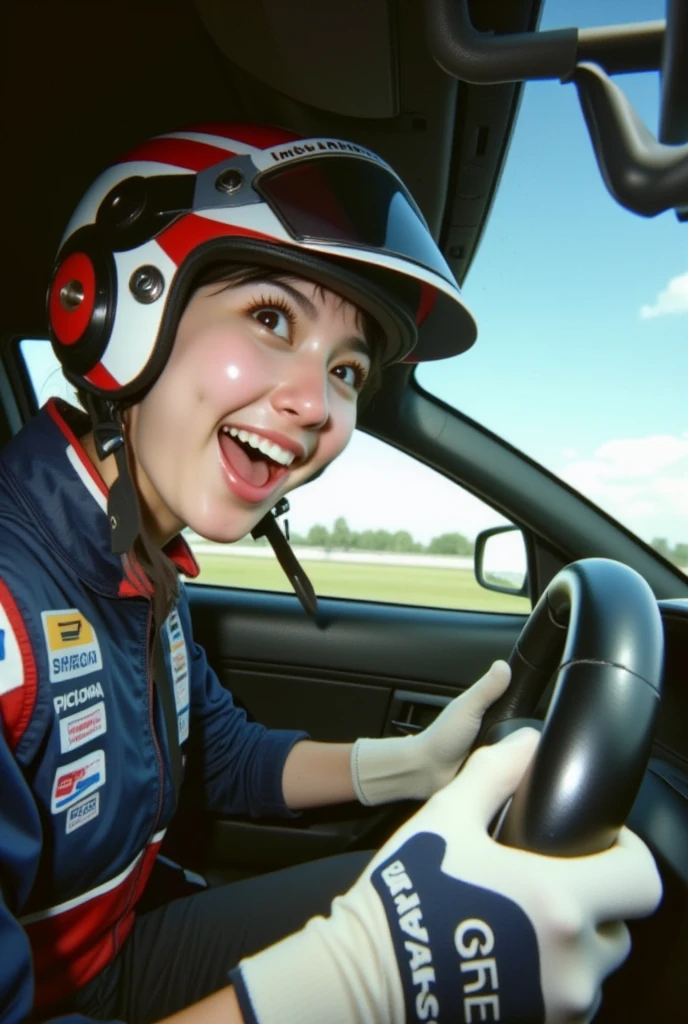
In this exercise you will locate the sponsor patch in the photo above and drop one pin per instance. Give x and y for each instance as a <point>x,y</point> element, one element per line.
<point>82,813</point>
<point>11,666</point>
<point>180,672</point>
<point>183,725</point>
<point>73,648</point>
<point>76,780</point>
<point>85,725</point>
<point>73,698</point>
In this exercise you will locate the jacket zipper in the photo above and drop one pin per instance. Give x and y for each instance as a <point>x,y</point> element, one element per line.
<point>161,780</point>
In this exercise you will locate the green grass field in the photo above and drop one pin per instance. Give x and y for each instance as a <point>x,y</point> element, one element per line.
<point>396,584</point>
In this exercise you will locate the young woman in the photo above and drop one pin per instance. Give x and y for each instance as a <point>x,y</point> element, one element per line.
<point>222,300</point>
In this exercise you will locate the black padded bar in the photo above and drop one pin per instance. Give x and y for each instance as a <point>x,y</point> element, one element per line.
<point>673,120</point>
<point>483,58</point>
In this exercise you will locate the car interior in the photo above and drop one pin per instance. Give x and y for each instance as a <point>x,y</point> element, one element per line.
<point>434,86</point>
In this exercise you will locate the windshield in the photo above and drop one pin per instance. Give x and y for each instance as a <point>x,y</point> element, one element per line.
<point>582,309</point>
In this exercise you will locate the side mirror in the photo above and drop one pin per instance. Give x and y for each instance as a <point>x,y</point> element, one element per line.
<point>501,562</point>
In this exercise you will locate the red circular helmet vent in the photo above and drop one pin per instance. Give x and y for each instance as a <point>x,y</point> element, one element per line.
<point>72,298</point>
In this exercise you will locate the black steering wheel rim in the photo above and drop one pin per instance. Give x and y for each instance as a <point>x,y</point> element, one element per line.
<point>599,622</point>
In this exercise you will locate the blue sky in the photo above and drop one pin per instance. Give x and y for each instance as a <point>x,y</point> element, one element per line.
<point>566,366</point>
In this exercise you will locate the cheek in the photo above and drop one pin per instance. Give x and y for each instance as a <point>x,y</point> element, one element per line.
<point>227,372</point>
<point>214,371</point>
<point>342,426</point>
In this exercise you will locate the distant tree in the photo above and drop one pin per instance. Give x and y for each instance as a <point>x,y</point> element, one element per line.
<point>297,539</point>
<point>365,541</point>
<point>402,541</point>
<point>680,555</point>
<point>341,534</point>
<point>661,544</point>
<point>450,544</point>
<point>319,536</point>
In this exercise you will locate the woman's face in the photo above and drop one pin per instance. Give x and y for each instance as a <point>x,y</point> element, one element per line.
<point>259,393</point>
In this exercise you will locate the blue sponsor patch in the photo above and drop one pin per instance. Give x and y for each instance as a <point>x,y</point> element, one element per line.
<point>2,644</point>
<point>74,781</point>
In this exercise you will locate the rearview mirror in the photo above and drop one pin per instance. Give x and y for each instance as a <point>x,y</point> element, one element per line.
<point>501,561</point>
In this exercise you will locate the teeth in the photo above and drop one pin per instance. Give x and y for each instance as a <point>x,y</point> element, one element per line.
<point>265,447</point>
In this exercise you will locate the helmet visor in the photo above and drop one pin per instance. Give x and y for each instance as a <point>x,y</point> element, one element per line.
<point>340,200</point>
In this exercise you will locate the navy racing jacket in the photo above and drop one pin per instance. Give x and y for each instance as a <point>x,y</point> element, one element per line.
<point>86,791</point>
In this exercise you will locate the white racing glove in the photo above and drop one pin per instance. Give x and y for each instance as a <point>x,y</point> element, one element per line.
<point>415,767</point>
<point>448,925</point>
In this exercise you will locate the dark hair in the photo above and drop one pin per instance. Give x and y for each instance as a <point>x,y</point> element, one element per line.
<point>159,572</point>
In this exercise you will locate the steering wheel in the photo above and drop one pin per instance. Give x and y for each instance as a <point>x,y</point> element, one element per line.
<point>598,621</point>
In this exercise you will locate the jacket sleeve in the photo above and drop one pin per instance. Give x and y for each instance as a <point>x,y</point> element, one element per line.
<point>240,762</point>
<point>21,835</point>
<point>20,846</point>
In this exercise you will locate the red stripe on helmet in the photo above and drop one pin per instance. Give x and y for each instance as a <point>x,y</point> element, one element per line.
<point>187,233</point>
<point>428,298</point>
<point>262,136</point>
<point>102,378</point>
<point>193,156</point>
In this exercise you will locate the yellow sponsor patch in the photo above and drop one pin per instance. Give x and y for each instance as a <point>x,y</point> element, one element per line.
<point>73,648</point>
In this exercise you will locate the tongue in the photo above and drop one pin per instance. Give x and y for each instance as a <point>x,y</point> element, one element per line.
<point>253,471</point>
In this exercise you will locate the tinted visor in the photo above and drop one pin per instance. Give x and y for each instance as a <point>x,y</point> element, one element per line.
<point>342,200</point>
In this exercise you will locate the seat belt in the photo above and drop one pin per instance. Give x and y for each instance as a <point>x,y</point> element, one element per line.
<point>165,690</point>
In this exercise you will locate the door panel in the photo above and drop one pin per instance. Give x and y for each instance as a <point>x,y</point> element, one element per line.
<point>358,670</point>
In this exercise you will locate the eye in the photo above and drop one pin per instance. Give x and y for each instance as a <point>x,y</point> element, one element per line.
<point>352,374</point>
<point>276,320</point>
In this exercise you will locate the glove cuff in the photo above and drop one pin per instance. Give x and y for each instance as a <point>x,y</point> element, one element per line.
<point>324,972</point>
<point>392,768</point>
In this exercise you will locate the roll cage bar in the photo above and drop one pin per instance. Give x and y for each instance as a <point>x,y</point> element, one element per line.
<point>645,175</point>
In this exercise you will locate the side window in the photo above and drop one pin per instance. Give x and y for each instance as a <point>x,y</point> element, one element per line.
<point>376,526</point>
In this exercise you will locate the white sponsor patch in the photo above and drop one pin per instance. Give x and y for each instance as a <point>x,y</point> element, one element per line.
<point>85,725</point>
<point>76,780</point>
<point>183,725</point>
<point>11,666</point>
<point>73,648</point>
<point>179,663</point>
<point>82,813</point>
<point>73,698</point>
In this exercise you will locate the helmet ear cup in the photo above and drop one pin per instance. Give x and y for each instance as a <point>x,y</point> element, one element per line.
<point>81,301</point>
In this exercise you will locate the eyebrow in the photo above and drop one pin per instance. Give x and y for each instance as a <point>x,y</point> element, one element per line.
<point>355,342</point>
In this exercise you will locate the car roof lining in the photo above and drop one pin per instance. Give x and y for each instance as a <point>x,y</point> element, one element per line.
<point>84,82</point>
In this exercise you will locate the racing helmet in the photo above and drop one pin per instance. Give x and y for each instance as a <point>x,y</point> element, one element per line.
<point>321,208</point>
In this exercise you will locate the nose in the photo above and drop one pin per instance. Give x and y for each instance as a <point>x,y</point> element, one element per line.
<point>302,396</point>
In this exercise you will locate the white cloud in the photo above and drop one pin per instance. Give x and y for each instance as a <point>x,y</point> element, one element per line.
<point>674,299</point>
<point>642,481</point>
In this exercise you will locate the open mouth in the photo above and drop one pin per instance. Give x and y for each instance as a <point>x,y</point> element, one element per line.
<point>253,460</point>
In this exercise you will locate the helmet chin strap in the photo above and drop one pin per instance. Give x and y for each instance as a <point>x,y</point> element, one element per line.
<point>123,507</point>
<point>269,527</point>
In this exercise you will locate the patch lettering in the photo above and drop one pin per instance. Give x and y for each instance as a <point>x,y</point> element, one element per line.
<point>73,698</point>
<point>72,645</point>
<point>76,780</point>
<point>77,729</point>
<point>81,814</point>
